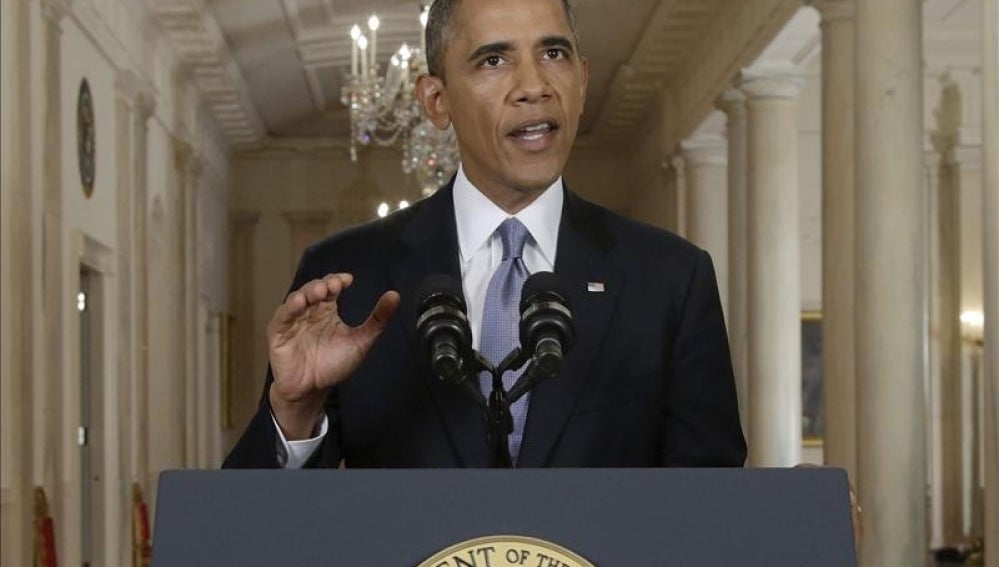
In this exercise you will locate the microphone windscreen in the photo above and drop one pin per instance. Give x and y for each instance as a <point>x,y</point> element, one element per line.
<point>441,285</point>
<point>542,283</point>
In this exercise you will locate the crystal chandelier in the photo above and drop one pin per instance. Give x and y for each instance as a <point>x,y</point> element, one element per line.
<point>384,109</point>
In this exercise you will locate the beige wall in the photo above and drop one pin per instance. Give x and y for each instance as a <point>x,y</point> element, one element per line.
<point>50,228</point>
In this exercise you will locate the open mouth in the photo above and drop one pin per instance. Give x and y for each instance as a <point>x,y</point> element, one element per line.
<point>534,131</point>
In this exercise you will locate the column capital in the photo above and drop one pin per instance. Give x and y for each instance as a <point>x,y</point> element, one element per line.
<point>833,10</point>
<point>135,91</point>
<point>55,10</point>
<point>771,85</point>
<point>705,150</point>
<point>732,102</point>
<point>672,161</point>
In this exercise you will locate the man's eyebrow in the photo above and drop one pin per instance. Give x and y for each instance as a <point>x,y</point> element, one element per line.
<point>494,48</point>
<point>557,41</point>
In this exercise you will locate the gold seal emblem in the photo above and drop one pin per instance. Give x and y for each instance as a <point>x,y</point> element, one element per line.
<point>506,551</point>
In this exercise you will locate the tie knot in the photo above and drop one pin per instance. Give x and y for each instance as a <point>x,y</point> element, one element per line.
<point>514,235</point>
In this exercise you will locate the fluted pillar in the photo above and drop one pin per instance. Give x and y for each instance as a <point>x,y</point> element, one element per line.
<point>890,284</point>
<point>707,203</point>
<point>774,285</point>
<point>733,104</point>
<point>990,212</point>
<point>838,361</point>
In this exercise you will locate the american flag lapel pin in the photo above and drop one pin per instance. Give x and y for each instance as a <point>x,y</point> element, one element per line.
<point>595,287</point>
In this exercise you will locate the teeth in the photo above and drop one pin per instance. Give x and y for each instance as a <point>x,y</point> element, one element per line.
<point>538,128</point>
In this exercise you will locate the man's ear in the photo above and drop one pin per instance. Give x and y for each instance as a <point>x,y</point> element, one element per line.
<point>433,98</point>
<point>585,78</point>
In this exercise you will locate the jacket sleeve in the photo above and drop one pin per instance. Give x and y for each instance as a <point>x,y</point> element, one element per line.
<point>701,422</point>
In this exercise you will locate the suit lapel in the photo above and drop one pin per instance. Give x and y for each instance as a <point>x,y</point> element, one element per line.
<point>431,237</point>
<point>583,243</point>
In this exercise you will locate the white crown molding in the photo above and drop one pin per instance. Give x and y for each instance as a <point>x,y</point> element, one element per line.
<point>194,34</point>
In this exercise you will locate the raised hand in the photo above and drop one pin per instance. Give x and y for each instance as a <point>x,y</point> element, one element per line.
<point>311,349</point>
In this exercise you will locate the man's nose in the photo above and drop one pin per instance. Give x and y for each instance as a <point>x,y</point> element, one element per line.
<point>533,83</point>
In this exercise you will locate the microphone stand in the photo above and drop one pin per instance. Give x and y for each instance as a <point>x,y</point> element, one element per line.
<point>496,408</point>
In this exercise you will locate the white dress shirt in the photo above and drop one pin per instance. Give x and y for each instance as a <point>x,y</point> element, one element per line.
<point>480,250</point>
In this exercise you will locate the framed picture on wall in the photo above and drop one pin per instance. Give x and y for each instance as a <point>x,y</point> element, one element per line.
<point>812,418</point>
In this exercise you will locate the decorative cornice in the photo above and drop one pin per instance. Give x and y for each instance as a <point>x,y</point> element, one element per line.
<point>656,60</point>
<point>194,34</point>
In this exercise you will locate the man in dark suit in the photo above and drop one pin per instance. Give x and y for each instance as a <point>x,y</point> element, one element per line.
<point>649,379</point>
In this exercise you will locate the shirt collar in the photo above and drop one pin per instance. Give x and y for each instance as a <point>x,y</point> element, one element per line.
<point>477,217</point>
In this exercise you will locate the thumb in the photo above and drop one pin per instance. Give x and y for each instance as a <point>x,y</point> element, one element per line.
<point>380,316</point>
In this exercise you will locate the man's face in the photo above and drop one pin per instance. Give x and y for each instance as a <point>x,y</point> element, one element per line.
<point>514,91</point>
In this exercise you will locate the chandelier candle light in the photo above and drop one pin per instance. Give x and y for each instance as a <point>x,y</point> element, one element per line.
<point>385,110</point>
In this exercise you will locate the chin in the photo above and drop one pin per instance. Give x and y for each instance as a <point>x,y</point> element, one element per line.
<point>535,176</point>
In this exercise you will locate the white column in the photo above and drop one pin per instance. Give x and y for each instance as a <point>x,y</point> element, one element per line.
<point>890,285</point>
<point>774,285</point>
<point>143,109</point>
<point>945,313</point>
<point>189,169</point>
<point>707,203</point>
<point>733,103</point>
<point>672,180</point>
<point>838,362</point>
<point>18,283</point>
<point>990,212</point>
<point>52,466</point>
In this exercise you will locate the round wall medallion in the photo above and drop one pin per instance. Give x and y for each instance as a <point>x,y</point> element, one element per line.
<point>86,137</point>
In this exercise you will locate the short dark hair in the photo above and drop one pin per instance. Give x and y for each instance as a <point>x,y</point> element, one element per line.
<point>438,32</point>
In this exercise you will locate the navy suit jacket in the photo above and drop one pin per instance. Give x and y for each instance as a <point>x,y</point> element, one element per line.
<point>648,382</point>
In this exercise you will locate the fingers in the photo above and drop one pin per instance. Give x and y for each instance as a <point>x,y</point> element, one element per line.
<point>311,293</point>
<point>380,316</point>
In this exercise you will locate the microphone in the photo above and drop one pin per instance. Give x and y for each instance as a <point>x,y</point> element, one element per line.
<point>443,327</point>
<point>546,330</point>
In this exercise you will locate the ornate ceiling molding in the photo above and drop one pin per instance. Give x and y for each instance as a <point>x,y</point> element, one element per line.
<point>323,44</point>
<point>193,32</point>
<point>658,57</point>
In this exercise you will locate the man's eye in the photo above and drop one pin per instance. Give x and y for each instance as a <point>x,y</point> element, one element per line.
<point>554,54</point>
<point>491,61</point>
